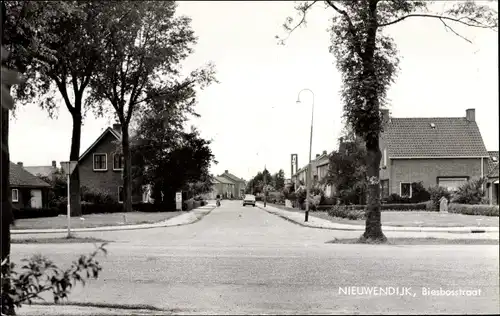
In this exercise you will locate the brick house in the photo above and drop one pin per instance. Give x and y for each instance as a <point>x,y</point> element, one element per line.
<point>492,190</point>
<point>445,151</point>
<point>224,187</point>
<point>239,184</point>
<point>27,189</point>
<point>320,166</point>
<point>101,167</point>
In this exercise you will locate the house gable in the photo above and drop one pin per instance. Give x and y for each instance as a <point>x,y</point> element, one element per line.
<point>101,138</point>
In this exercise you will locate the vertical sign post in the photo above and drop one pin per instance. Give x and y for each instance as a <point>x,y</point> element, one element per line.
<point>178,201</point>
<point>294,167</point>
<point>68,167</point>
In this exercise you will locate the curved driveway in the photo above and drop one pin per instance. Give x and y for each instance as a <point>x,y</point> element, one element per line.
<point>246,261</point>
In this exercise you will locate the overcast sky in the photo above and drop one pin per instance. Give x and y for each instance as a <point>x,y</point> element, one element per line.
<point>252,115</point>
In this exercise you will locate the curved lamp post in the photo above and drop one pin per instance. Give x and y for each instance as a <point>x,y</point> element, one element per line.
<point>309,169</point>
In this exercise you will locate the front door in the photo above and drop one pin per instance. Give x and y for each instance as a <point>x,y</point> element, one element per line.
<point>36,199</point>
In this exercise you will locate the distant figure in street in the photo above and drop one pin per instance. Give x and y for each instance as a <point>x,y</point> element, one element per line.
<point>218,199</point>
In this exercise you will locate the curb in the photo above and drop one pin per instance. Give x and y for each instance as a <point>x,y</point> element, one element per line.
<point>465,230</point>
<point>166,223</point>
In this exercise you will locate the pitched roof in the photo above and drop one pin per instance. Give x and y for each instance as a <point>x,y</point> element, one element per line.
<point>224,180</point>
<point>106,131</point>
<point>18,177</point>
<point>44,171</point>
<point>450,137</point>
<point>231,177</point>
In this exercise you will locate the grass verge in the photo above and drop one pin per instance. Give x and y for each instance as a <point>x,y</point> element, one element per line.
<point>418,241</point>
<point>59,240</point>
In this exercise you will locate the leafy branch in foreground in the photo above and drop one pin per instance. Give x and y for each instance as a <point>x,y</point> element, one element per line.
<point>39,274</point>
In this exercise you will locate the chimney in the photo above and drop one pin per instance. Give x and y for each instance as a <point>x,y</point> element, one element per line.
<point>117,128</point>
<point>470,115</point>
<point>225,171</point>
<point>324,152</point>
<point>20,163</point>
<point>54,164</point>
<point>317,155</point>
<point>385,116</point>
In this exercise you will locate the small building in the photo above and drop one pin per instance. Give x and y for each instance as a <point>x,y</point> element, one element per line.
<point>444,151</point>
<point>239,184</point>
<point>224,187</point>
<point>48,172</point>
<point>27,190</point>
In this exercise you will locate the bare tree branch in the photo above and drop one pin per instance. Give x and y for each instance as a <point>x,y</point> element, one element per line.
<point>302,21</point>
<point>447,27</point>
<point>352,30</point>
<point>422,15</point>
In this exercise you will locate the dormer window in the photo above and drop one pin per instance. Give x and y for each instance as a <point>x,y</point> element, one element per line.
<point>433,125</point>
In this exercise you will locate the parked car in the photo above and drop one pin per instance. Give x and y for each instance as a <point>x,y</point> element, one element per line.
<point>249,199</point>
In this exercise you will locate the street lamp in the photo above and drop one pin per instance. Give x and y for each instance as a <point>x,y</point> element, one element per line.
<point>309,169</point>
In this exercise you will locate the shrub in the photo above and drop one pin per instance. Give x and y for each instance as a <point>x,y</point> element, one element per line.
<point>203,203</point>
<point>437,193</point>
<point>39,274</point>
<point>101,208</point>
<point>97,196</point>
<point>467,209</point>
<point>187,205</point>
<point>329,201</point>
<point>35,212</point>
<point>150,207</point>
<point>471,192</point>
<point>419,193</point>
<point>344,211</point>
<point>196,204</point>
<point>404,207</point>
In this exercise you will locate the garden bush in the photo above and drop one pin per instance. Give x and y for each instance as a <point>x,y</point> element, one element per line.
<point>97,196</point>
<point>471,192</point>
<point>468,209</point>
<point>35,212</point>
<point>88,208</point>
<point>203,203</point>
<point>329,201</point>
<point>437,193</point>
<point>196,204</point>
<point>344,211</point>
<point>187,205</point>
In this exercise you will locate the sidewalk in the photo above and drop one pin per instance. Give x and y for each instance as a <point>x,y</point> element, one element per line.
<point>315,222</point>
<point>183,219</point>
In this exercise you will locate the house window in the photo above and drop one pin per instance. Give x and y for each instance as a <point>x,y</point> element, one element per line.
<point>15,195</point>
<point>452,184</point>
<point>118,162</point>
<point>120,194</point>
<point>100,162</point>
<point>405,189</point>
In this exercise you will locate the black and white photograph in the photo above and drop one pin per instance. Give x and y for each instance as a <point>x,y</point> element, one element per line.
<point>249,157</point>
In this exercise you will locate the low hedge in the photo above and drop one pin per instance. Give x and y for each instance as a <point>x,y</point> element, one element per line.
<point>383,207</point>
<point>35,212</point>
<point>479,209</point>
<point>345,212</point>
<point>196,204</point>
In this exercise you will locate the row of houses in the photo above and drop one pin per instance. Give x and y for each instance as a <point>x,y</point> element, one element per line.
<point>100,167</point>
<point>444,151</point>
<point>228,186</point>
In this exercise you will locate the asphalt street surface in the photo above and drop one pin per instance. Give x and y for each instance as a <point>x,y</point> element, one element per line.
<point>244,260</point>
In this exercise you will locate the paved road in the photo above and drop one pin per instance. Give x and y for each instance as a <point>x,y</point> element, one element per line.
<point>246,261</point>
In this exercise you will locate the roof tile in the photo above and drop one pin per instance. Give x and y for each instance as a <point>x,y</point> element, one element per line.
<point>19,177</point>
<point>451,137</point>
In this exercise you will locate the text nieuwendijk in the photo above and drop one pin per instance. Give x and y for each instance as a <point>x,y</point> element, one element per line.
<point>403,291</point>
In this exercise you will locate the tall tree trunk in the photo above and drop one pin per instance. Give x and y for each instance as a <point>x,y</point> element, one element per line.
<point>127,168</point>
<point>7,216</point>
<point>373,227</point>
<point>76,209</point>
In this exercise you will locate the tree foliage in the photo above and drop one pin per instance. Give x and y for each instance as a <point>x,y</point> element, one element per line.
<point>39,274</point>
<point>368,62</point>
<point>143,66</point>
